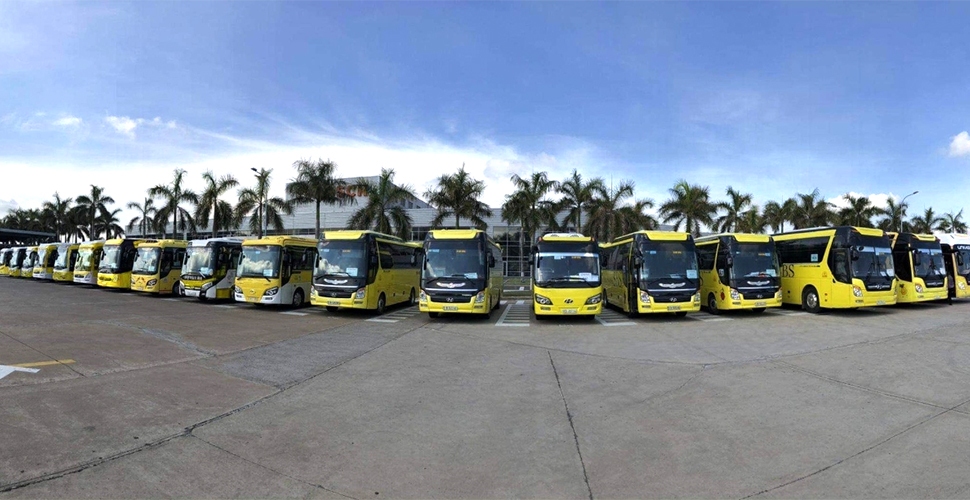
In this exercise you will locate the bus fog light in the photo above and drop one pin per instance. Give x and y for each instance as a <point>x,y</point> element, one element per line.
<point>919,288</point>
<point>151,283</point>
<point>271,292</point>
<point>595,299</point>
<point>480,297</point>
<point>857,291</point>
<point>645,297</point>
<point>543,300</point>
<point>735,295</point>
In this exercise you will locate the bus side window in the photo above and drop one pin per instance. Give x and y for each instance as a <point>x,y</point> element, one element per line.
<point>166,264</point>
<point>705,257</point>
<point>309,259</point>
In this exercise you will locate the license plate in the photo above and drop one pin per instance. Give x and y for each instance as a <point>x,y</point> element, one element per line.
<point>673,308</point>
<point>760,304</point>
<point>191,293</point>
<point>252,299</point>
<point>880,302</point>
<point>450,308</point>
<point>333,302</point>
<point>569,311</point>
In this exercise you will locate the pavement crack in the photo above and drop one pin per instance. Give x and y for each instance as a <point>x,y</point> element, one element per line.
<point>569,416</point>
<point>274,471</point>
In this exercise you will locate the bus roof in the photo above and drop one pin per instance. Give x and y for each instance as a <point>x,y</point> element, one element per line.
<point>657,236</point>
<point>281,241</point>
<point>574,237</point>
<point>929,238</point>
<point>92,244</point>
<point>162,243</point>
<point>740,237</point>
<point>356,234</point>
<point>954,238</point>
<point>865,231</point>
<point>227,239</point>
<point>454,234</point>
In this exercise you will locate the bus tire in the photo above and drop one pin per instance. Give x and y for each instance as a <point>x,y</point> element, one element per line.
<point>177,289</point>
<point>680,314</point>
<point>810,300</point>
<point>411,299</point>
<point>298,298</point>
<point>759,310</point>
<point>381,304</point>
<point>433,314</point>
<point>632,303</point>
<point>712,304</point>
<point>541,317</point>
<point>332,309</point>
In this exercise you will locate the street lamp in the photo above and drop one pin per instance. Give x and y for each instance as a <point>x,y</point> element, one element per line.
<point>262,205</point>
<point>902,205</point>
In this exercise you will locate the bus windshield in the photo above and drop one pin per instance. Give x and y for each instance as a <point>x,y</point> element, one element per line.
<point>453,259</point>
<point>111,260</point>
<point>146,261</point>
<point>872,257</point>
<point>754,259</point>
<point>341,258</point>
<point>84,258</point>
<point>931,263</point>
<point>963,261</point>
<point>42,256</point>
<point>668,259</point>
<point>562,268</point>
<point>5,258</point>
<point>61,262</point>
<point>259,261</point>
<point>199,260</point>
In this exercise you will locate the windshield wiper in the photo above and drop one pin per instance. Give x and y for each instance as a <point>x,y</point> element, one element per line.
<point>558,279</point>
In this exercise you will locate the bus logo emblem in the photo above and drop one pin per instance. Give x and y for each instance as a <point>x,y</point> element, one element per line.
<point>451,299</point>
<point>335,282</point>
<point>758,283</point>
<point>568,301</point>
<point>451,285</point>
<point>672,285</point>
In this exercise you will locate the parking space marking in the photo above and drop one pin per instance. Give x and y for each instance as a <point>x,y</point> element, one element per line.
<point>398,315</point>
<point>294,313</point>
<point>610,317</point>
<point>226,306</point>
<point>46,363</point>
<point>785,312</point>
<point>706,316</point>
<point>515,314</point>
<point>172,299</point>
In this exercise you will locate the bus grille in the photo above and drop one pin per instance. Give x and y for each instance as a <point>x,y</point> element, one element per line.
<point>335,294</point>
<point>933,283</point>
<point>671,297</point>
<point>759,294</point>
<point>450,298</point>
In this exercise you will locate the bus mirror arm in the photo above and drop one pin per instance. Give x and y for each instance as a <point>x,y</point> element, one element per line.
<point>959,259</point>
<point>854,254</point>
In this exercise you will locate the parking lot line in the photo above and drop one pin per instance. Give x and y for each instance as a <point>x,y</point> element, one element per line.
<point>46,363</point>
<point>226,306</point>
<point>294,313</point>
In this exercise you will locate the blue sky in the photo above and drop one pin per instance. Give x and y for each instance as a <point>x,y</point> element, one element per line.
<point>772,98</point>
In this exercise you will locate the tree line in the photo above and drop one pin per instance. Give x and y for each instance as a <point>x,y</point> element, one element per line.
<point>537,202</point>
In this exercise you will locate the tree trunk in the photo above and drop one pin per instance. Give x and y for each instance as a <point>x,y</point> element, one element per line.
<point>316,235</point>
<point>457,220</point>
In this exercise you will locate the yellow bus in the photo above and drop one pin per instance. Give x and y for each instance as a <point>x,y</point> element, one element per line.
<point>652,272</point>
<point>365,270</point>
<point>566,276</point>
<point>920,270</point>
<point>27,267</point>
<point>64,263</point>
<point>956,255</point>
<point>5,257</point>
<point>116,263</point>
<point>88,262</point>
<point>209,271</point>
<point>276,270</point>
<point>17,257</point>
<point>738,271</point>
<point>158,266</point>
<point>842,267</point>
<point>461,273</point>
<point>44,265</point>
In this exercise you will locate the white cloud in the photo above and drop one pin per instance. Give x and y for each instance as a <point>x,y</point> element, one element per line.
<point>6,206</point>
<point>960,145</point>
<point>68,121</point>
<point>879,200</point>
<point>123,124</point>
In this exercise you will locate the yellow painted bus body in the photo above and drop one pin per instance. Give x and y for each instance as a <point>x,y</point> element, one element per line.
<point>275,270</point>
<point>956,254</point>
<point>461,273</point>
<point>27,267</point>
<point>44,267</point>
<point>738,271</point>
<point>88,262</point>
<point>6,256</point>
<point>158,266</point>
<point>365,270</point>
<point>209,271</point>
<point>920,268</point>
<point>841,267</point>
<point>116,262</point>
<point>566,276</point>
<point>649,272</point>
<point>65,262</point>
<point>18,255</point>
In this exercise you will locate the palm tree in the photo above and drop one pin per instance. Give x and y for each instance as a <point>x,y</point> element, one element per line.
<point>635,217</point>
<point>528,205</point>
<point>895,216</point>
<point>210,204</point>
<point>811,211</point>
<point>926,222</point>
<point>457,195</point>
<point>859,212</point>
<point>59,211</point>
<point>951,222</point>
<point>384,212</point>
<point>750,221</point>
<point>315,183</point>
<point>690,205</point>
<point>173,197</point>
<point>734,207</point>
<point>145,220</point>
<point>108,223</point>
<point>605,214</point>
<point>578,195</point>
<point>257,201</point>
<point>92,205</point>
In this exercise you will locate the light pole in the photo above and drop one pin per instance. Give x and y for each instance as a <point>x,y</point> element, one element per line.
<point>262,206</point>
<point>902,207</point>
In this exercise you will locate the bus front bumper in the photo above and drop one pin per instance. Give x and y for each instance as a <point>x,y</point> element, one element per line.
<point>350,303</point>
<point>444,307</point>
<point>927,294</point>
<point>113,281</point>
<point>67,276</point>
<point>582,310</point>
<point>669,307</point>
<point>751,304</point>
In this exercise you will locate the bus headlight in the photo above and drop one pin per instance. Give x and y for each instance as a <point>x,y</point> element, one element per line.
<point>313,292</point>
<point>595,299</point>
<point>962,285</point>
<point>207,286</point>
<point>236,290</point>
<point>543,300</point>
<point>480,298</point>
<point>735,295</point>
<point>151,283</point>
<point>919,288</point>
<point>644,297</point>
<point>856,291</point>
<point>271,292</point>
<point>778,295</point>
<point>422,297</point>
<point>359,294</point>
<point>697,298</point>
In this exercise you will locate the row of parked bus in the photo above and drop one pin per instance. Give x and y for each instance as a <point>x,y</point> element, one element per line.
<point>460,271</point>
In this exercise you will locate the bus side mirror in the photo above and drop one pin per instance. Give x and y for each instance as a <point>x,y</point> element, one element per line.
<point>373,260</point>
<point>414,260</point>
<point>960,259</point>
<point>917,260</point>
<point>637,261</point>
<point>729,261</point>
<point>491,261</point>
<point>854,254</point>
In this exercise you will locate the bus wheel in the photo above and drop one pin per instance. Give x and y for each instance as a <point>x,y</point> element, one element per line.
<point>680,314</point>
<point>758,310</point>
<point>177,289</point>
<point>712,304</point>
<point>332,309</point>
<point>411,300</point>
<point>432,314</point>
<point>298,298</point>
<point>810,300</point>
<point>633,313</point>
<point>381,305</point>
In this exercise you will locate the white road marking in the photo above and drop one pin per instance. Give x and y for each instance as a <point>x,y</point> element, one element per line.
<point>226,306</point>
<point>517,318</point>
<point>7,370</point>
<point>294,313</point>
